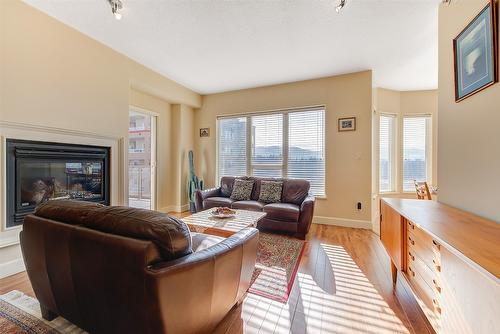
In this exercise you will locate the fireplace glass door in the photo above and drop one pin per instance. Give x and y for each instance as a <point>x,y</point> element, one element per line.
<point>45,180</point>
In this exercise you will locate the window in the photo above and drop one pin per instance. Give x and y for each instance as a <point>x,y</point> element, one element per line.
<point>279,144</point>
<point>306,152</point>
<point>232,146</point>
<point>387,153</point>
<point>404,156</point>
<point>267,145</point>
<point>416,143</point>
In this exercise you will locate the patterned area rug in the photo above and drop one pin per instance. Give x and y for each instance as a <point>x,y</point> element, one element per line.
<point>20,314</point>
<point>278,259</point>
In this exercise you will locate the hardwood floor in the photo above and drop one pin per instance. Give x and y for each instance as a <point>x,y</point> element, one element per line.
<point>343,286</point>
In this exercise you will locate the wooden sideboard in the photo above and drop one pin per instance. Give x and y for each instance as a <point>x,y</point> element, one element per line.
<point>450,259</point>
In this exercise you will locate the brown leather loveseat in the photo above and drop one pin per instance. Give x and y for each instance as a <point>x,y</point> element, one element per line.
<point>293,214</point>
<point>124,270</point>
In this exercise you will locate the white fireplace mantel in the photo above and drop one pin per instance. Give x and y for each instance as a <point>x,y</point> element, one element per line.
<point>12,130</point>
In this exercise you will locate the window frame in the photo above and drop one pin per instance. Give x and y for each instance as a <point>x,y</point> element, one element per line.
<point>428,150</point>
<point>285,141</point>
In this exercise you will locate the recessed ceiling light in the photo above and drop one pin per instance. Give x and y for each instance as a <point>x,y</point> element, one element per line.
<point>116,6</point>
<point>340,5</point>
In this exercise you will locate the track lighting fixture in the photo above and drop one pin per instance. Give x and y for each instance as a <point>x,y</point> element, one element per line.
<point>340,5</point>
<point>116,6</point>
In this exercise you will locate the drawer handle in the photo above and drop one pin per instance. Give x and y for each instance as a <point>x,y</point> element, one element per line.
<point>411,271</point>
<point>411,241</point>
<point>436,245</point>
<point>436,265</point>
<point>438,288</point>
<point>411,256</point>
<point>436,305</point>
<point>411,225</point>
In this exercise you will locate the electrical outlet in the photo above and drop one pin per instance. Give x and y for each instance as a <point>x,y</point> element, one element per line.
<point>358,206</point>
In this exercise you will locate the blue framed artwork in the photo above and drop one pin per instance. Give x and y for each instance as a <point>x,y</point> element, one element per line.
<point>475,53</point>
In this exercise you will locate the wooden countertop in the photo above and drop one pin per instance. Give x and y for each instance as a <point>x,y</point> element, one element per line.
<point>467,235</point>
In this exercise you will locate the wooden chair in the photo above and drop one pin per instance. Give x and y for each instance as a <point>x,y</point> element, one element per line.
<point>423,191</point>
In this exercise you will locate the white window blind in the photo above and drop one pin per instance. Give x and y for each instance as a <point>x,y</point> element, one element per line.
<point>306,148</point>
<point>267,145</point>
<point>386,153</point>
<point>280,144</point>
<point>416,143</point>
<point>232,146</point>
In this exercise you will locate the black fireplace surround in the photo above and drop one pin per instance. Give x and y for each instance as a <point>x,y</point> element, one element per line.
<point>41,171</point>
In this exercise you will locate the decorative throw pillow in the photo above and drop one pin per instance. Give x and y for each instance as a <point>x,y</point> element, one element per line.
<point>242,190</point>
<point>270,191</point>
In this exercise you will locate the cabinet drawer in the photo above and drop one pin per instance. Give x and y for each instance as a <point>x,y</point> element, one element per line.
<point>422,289</point>
<point>430,276</point>
<point>424,246</point>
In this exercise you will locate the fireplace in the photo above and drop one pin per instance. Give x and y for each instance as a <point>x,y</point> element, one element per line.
<point>41,171</point>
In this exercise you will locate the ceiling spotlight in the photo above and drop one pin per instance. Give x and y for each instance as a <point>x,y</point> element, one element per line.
<point>340,5</point>
<point>116,6</point>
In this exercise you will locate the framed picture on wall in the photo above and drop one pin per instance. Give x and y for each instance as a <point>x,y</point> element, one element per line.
<point>475,53</point>
<point>347,124</point>
<point>205,132</point>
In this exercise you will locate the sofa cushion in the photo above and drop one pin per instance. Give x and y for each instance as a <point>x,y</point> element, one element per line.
<point>170,235</point>
<point>257,184</point>
<point>212,202</point>
<point>282,211</point>
<point>295,191</point>
<point>242,190</point>
<point>226,185</point>
<point>248,205</point>
<point>270,191</point>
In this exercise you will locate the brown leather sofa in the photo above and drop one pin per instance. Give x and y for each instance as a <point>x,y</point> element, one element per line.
<point>124,270</point>
<point>293,215</point>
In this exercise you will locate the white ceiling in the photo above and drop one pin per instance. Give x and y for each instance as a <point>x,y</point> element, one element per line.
<point>219,45</point>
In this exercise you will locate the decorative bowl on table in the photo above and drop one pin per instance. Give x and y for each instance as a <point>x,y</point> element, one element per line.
<point>223,212</point>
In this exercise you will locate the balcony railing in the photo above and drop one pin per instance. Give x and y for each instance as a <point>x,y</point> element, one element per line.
<point>139,186</point>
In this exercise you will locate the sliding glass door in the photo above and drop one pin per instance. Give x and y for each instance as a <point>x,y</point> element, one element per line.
<point>142,160</point>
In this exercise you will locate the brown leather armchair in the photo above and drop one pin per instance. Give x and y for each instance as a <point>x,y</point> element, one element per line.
<point>293,215</point>
<point>124,270</point>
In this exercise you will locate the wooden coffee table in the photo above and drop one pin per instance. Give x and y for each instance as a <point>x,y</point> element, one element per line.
<point>204,222</point>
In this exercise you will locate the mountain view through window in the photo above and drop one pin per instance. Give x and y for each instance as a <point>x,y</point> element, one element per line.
<point>282,144</point>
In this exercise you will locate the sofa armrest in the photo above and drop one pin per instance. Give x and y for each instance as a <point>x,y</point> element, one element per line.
<point>306,216</point>
<point>236,240</point>
<point>199,289</point>
<point>201,195</point>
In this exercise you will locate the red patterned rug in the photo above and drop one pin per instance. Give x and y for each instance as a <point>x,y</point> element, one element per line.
<point>278,259</point>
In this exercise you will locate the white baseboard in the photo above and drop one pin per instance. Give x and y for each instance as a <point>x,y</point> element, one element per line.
<point>175,208</point>
<point>11,267</point>
<point>366,224</point>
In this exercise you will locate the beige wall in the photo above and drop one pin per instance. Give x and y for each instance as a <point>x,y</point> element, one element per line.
<point>182,142</point>
<point>53,76</point>
<point>469,135</point>
<point>348,154</point>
